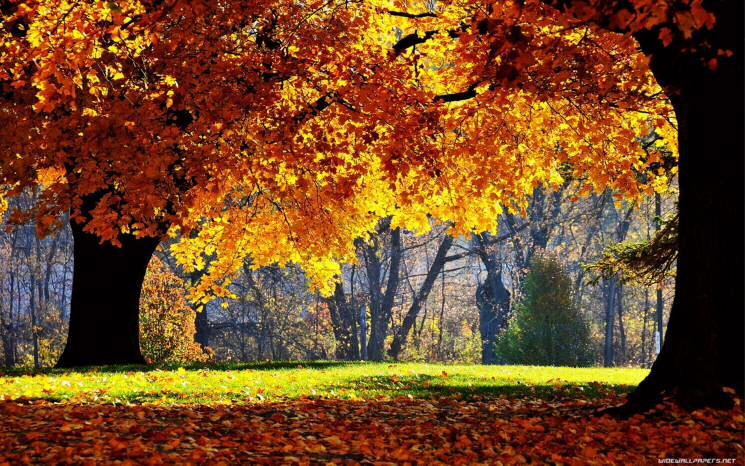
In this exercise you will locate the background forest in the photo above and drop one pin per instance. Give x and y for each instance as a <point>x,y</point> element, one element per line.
<point>522,296</point>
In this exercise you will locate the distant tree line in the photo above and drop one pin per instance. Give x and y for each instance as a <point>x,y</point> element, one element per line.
<point>429,297</point>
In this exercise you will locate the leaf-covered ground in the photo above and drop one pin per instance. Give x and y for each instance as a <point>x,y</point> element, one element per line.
<point>353,413</point>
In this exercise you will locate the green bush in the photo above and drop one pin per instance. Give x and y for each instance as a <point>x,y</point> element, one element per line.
<point>547,329</point>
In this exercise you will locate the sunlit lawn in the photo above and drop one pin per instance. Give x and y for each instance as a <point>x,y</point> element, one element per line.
<point>320,380</point>
<point>331,413</point>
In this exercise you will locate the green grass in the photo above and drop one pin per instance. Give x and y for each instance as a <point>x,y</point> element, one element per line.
<point>286,381</point>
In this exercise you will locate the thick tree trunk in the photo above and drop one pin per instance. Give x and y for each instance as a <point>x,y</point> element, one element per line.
<point>703,347</point>
<point>104,309</point>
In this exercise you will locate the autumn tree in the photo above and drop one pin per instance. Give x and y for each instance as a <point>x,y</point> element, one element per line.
<point>140,117</point>
<point>285,132</point>
<point>696,53</point>
<point>694,50</point>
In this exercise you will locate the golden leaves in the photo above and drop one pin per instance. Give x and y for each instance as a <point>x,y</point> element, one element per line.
<point>283,131</point>
<point>167,324</point>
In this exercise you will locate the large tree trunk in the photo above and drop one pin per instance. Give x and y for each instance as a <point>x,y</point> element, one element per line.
<point>703,347</point>
<point>104,309</point>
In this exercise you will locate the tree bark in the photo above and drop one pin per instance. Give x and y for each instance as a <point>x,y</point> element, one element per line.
<point>703,347</point>
<point>104,309</point>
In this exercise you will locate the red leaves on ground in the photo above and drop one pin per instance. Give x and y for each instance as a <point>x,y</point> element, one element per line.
<point>444,430</point>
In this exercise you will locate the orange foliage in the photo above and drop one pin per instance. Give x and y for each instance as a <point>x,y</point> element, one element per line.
<point>440,431</point>
<point>285,130</point>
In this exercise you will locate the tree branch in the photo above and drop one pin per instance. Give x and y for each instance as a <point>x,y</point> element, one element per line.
<point>411,40</point>
<point>404,14</point>
<point>470,93</point>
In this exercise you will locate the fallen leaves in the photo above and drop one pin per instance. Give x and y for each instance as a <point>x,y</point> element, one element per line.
<point>348,413</point>
<point>436,431</point>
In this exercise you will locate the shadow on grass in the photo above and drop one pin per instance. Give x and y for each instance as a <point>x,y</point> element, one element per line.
<point>254,366</point>
<point>428,386</point>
